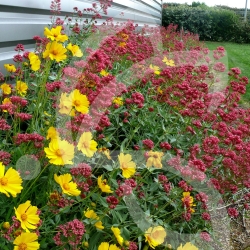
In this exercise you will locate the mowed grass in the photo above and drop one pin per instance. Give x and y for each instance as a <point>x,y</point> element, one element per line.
<point>238,56</point>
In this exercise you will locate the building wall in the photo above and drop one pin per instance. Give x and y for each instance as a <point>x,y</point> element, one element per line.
<point>21,20</point>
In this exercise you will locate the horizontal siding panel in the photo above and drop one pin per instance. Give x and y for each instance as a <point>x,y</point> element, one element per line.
<point>20,21</point>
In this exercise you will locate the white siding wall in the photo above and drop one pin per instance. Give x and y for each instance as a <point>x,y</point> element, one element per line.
<point>20,20</point>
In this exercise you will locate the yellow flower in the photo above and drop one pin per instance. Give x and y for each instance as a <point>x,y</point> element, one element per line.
<point>34,61</point>
<point>187,246</point>
<point>52,133</point>
<point>118,101</point>
<point>6,88</point>
<point>60,152</point>
<point>188,201</point>
<point>55,51</point>
<point>91,214</point>
<point>156,69</point>
<point>65,106</point>
<point>168,62</point>
<point>55,34</point>
<point>27,215</point>
<point>6,101</point>
<point>127,166</point>
<point>104,73</point>
<point>21,88</point>
<point>117,234</point>
<point>155,236</point>
<point>159,90</point>
<point>99,225</point>
<point>10,182</point>
<point>102,184</point>
<point>122,44</point>
<point>75,50</point>
<point>124,36</point>
<point>106,246</point>
<point>105,151</point>
<point>26,241</point>
<point>86,145</point>
<point>154,159</point>
<point>68,187</point>
<point>10,67</point>
<point>79,101</point>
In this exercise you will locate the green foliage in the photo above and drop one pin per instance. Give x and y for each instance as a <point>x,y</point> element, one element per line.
<point>224,25</point>
<point>211,24</point>
<point>196,4</point>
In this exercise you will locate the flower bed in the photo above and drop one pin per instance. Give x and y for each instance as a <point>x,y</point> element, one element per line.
<point>117,139</point>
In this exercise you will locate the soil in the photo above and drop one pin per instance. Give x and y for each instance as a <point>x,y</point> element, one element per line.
<point>240,231</point>
<point>233,234</point>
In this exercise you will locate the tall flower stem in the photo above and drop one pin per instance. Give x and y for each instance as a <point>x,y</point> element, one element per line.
<point>41,96</point>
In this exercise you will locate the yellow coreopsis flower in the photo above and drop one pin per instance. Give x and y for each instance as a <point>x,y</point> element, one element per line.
<point>75,50</point>
<point>106,246</point>
<point>159,90</point>
<point>5,88</point>
<point>105,151</point>
<point>118,101</point>
<point>55,51</point>
<point>154,159</point>
<point>117,234</point>
<point>52,133</point>
<point>155,236</point>
<point>10,68</point>
<point>104,73</point>
<point>92,215</point>
<point>122,44</point>
<point>34,61</point>
<point>168,62</point>
<point>127,166</point>
<point>79,101</point>
<point>10,182</point>
<point>65,105</point>
<point>99,225</point>
<point>21,88</point>
<point>60,152</point>
<point>55,34</point>
<point>68,187</point>
<point>26,241</point>
<point>188,201</point>
<point>124,36</point>
<point>187,246</point>
<point>87,145</point>
<point>27,215</point>
<point>6,101</point>
<point>156,69</point>
<point>102,184</point>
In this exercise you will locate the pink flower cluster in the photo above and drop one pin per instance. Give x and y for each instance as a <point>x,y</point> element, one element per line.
<point>34,137</point>
<point>70,234</point>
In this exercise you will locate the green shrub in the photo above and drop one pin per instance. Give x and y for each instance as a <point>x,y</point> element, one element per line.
<point>214,24</point>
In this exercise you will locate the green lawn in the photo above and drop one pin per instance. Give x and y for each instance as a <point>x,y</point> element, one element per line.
<point>238,56</point>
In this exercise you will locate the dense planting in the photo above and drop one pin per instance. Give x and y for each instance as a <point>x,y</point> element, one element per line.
<point>117,139</point>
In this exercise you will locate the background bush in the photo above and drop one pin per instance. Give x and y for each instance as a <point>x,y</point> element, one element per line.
<point>210,23</point>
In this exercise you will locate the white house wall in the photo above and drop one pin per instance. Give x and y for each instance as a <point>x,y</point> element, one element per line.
<point>21,20</point>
